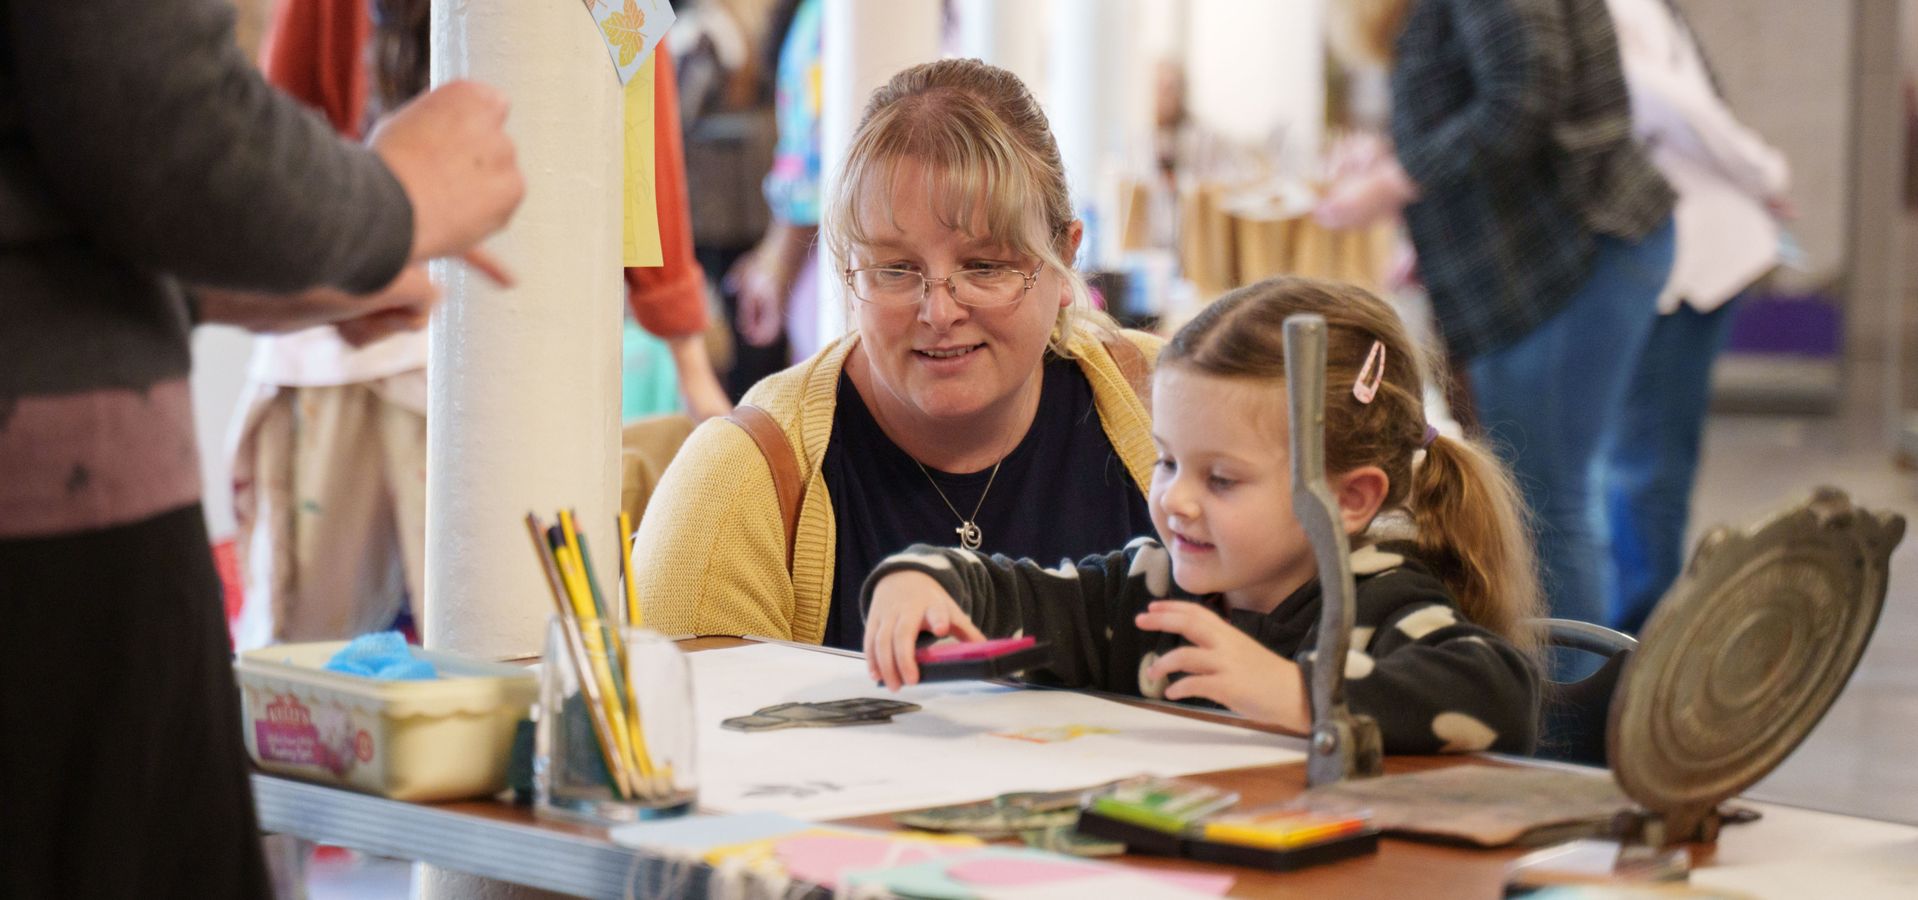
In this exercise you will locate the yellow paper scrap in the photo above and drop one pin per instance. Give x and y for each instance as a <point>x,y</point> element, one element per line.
<point>640,245</point>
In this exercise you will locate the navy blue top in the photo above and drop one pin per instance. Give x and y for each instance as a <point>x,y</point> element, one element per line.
<point>1061,494</point>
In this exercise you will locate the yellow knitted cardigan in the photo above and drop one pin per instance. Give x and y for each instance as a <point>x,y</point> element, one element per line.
<point>714,557</point>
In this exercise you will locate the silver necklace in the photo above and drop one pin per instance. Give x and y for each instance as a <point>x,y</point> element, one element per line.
<point>969,534</point>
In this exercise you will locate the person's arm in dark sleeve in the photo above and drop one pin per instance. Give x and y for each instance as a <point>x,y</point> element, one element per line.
<point>167,148</point>
<point>1435,682</point>
<point>1069,606</point>
<point>1517,51</point>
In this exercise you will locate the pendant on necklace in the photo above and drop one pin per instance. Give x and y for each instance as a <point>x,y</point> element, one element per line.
<point>969,535</point>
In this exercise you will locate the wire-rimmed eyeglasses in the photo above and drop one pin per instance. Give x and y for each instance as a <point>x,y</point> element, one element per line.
<point>980,287</point>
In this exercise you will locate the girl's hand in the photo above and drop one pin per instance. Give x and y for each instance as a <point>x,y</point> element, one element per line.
<point>903,605</point>
<point>1226,666</point>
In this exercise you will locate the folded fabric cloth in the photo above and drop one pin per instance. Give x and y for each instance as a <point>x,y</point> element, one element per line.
<point>383,655</point>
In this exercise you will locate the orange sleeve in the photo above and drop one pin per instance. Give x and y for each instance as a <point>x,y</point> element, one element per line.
<point>315,50</point>
<point>669,300</point>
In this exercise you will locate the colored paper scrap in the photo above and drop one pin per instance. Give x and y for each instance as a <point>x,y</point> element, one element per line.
<point>822,858</point>
<point>631,29</point>
<point>1132,885</point>
<point>1004,872</point>
<point>698,834</point>
<point>1036,870</point>
<point>639,239</point>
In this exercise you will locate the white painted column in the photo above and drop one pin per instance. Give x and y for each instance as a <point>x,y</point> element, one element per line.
<point>1253,66</point>
<point>1009,34</point>
<point>1080,43</point>
<point>524,409</point>
<point>1088,72</point>
<point>865,42</point>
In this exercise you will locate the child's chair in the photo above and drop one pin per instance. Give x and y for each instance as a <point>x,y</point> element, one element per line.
<point>647,446</point>
<point>1573,720</point>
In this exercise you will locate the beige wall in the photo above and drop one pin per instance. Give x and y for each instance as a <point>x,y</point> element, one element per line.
<point>1786,67</point>
<point>1822,81</point>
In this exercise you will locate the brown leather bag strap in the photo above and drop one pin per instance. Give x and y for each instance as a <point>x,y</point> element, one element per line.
<point>778,451</point>
<point>1132,365</point>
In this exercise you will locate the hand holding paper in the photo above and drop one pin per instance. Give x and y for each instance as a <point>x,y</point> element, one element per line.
<point>403,305</point>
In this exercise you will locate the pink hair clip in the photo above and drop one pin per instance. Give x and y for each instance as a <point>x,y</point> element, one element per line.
<point>1371,375</point>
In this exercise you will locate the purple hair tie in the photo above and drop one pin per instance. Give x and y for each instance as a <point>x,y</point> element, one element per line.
<point>1431,434</point>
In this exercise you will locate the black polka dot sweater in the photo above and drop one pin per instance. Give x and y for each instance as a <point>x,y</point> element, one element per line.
<point>1435,682</point>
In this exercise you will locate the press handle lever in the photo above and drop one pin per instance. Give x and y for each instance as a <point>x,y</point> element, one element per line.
<point>1342,745</point>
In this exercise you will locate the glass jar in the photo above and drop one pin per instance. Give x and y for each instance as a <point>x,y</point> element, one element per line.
<point>614,741</point>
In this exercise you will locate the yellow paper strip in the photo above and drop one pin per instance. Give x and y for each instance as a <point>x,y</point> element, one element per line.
<point>640,247</point>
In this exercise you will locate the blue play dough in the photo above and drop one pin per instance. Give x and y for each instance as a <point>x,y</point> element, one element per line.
<point>382,655</point>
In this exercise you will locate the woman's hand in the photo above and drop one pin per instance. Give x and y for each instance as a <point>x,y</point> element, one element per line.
<point>1362,199</point>
<point>763,280</point>
<point>403,305</point>
<point>407,305</point>
<point>904,604</point>
<point>449,150</point>
<point>1226,666</point>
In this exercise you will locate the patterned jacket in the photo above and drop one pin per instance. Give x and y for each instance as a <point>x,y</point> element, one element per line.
<point>1435,682</point>
<point>1513,119</point>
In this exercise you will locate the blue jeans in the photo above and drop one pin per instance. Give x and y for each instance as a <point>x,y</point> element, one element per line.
<point>1552,401</point>
<point>1653,461</point>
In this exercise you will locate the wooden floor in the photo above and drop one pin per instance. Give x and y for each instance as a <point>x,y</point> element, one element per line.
<point>1863,759</point>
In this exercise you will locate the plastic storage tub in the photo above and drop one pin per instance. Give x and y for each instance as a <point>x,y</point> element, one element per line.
<point>444,739</point>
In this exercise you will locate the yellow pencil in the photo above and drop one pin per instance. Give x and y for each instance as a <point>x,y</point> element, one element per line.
<point>569,528</point>
<point>633,741</point>
<point>633,615</point>
<point>601,657</point>
<point>639,732</point>
<point>623,780</point>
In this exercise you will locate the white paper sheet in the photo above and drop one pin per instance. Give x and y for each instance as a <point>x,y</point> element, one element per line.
<point>971,740</point>
<point>1887,872</point>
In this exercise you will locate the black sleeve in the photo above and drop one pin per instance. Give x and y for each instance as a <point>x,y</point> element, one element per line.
<point>1076,607</point>
<point>1435,682</point>
<point>165,146</point>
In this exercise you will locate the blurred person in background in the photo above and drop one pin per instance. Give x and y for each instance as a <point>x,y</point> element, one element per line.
<point>1731,192</point>
<point>777,283</point>
<point>1544,237</point>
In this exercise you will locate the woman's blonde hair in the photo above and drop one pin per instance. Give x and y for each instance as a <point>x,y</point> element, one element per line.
<point>1466,514</point>
<point>1365,32</point>
<point>988,153</point>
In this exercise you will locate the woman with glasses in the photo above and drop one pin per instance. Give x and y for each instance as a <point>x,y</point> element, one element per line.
<point>979,400</point>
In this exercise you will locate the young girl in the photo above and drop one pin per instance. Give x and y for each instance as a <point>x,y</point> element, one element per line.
<point>1224,606</point>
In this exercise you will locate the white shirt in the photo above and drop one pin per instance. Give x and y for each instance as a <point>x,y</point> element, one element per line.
<point>317,357</point>
<point>1723,172</point>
